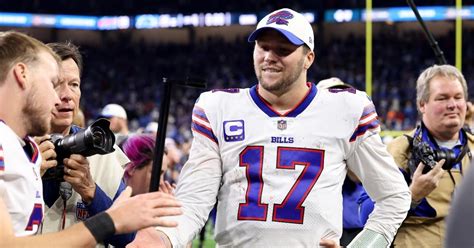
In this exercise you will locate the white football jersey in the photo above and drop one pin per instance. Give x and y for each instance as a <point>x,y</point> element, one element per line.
<point>278,178</point>
<point>20,182</point>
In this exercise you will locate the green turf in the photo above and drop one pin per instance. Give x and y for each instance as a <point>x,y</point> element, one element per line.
<point>209,238</point>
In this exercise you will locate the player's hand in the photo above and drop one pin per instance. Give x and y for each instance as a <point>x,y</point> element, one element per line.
<point>149,238</point>
<point>328,243</point>
<point>167,188</point>
<point>423,184</point>
<point>147,211</point>
<point>48,154</point>
<point>77,173</point>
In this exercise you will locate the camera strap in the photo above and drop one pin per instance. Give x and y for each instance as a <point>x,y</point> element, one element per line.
<point>65,191</point>
<point>461,152</point>
<point>464,151</point>
<point>411,163</point>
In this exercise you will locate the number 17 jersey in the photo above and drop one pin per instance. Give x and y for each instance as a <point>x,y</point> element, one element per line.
<point>277,177</point>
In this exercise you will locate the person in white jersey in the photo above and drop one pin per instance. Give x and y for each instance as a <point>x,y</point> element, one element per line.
<point>274,156</point>
<point>29,71</point>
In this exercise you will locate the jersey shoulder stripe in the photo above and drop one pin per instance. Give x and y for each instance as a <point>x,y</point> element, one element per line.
<point>200,114</point>
<point>368,120</point>
<point>200,124</point>
<point>207,106</point>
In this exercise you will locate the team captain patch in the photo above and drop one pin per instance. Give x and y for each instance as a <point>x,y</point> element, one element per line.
<point>234,130</point>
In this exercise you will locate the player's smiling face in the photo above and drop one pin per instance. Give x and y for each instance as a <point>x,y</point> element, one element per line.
<point>69,92</point>
<point>278,63</point>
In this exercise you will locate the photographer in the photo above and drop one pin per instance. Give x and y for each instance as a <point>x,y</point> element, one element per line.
<point>441,99</point>
<point>28,76</point>
<point>92,183</point>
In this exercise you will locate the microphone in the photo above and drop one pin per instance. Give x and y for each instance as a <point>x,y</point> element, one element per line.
<point>65,190</point>
<point>433,43</point>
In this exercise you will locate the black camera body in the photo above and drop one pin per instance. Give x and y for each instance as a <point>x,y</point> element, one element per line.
<point>422,152</point>
<point>95,139</point>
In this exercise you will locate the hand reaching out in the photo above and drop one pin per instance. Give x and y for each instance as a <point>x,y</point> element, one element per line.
<point>134,213</point>
<point>167,188</point>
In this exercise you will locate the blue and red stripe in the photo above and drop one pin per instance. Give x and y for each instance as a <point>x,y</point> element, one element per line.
<point>200,114</point>
<point>368,110</point>
<point>363,128</point>
<point>207,132</point>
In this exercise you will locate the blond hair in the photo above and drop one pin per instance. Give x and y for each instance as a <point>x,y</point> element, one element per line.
<point>17,47</point>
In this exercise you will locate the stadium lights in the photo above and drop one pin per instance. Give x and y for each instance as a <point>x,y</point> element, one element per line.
<point>151,21</point>
<point>398,14</point>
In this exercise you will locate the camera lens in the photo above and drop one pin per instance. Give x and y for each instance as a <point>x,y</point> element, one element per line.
<point>449,157</point>
<point>98,136</point>
<point>96,139</point>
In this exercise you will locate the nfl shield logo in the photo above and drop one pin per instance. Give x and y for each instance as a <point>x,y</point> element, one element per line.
<point>281,125</point>
<point>81,211</point>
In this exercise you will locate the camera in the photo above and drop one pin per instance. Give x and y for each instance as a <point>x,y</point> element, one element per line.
<point>423,152</point>
<point>95,139</point>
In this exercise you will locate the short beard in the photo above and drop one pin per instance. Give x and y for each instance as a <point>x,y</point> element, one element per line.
<point>35,123</point>
<point>282,86</point>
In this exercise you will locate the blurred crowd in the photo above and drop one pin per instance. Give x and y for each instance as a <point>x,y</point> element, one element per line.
<point>110,78</point>
<point>125,7</point>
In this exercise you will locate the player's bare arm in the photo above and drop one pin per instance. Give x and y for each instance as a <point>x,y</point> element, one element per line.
<point>147,208</point>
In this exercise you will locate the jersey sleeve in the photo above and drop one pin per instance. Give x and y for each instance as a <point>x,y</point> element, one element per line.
<point>379,174</point>
<point>200,178</point>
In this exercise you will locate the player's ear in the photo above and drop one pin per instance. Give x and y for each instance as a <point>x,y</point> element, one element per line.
<point>309,59</point>
<point>20,73</point>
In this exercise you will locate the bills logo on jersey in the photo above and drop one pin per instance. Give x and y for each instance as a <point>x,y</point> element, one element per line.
<point>234,130</point>
<point>81,211</point>
<point>281,125</point>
